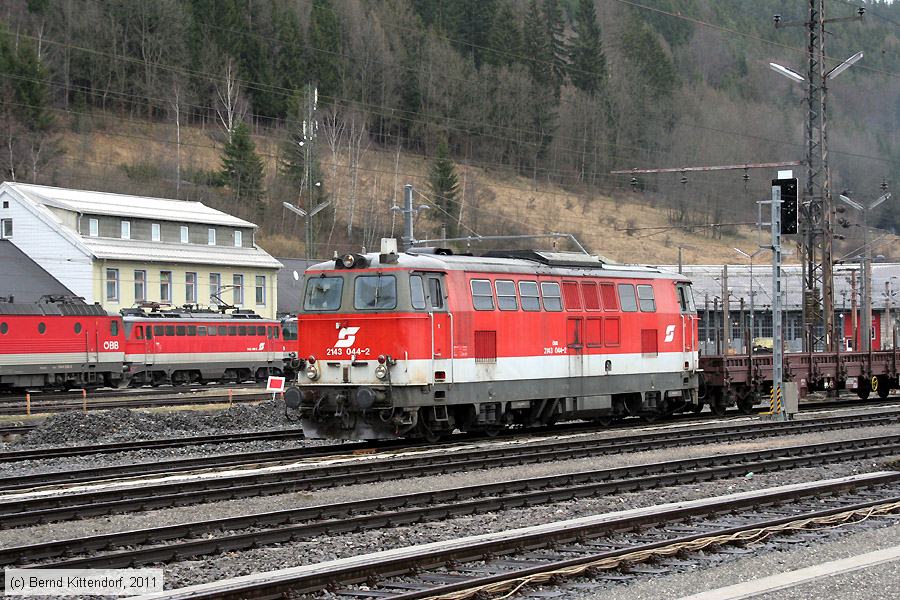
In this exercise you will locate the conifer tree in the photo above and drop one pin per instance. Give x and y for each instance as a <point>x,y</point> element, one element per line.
<point>242,168</point>
<point>535,45</point>
<point>557,53</point>
<point>505,38</point>
<point>587,63</point>
<point>325,47</point>
<point>444,185</point>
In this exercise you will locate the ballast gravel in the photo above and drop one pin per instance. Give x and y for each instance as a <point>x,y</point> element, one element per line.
<point>125,425</point>
<point>328,547</point>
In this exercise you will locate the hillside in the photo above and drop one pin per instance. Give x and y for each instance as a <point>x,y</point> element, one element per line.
<point>494,202</point>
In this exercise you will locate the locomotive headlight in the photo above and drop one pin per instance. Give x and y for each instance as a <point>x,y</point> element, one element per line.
<point>348,260</point>
<point>381,371</point>
<point>312,372</point>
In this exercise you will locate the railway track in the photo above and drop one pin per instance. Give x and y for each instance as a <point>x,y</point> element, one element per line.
<point>489,564</point>
<point>19,507</point>
<point>178,542</point>
<point>41,405</point>
<point>16,430</point>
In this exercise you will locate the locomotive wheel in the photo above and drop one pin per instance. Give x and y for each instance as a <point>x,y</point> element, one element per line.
<point>884,387</point>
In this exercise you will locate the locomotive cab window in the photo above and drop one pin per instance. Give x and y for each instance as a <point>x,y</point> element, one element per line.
<point>374,292</point>
<point>626,298</point>
<point>528,292</point>
<point>114,327</point>
<point>646,299</point>
<point>551,295</point>
<point>417,291</point>
<point>323,293</point>
<point>139,332</point>
<point>436,292</point>
<point>506,295</point>
<point>482,294</point>
<point>685,298</point>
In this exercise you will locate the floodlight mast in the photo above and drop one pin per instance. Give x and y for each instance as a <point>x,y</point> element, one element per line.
<point>816,234</point>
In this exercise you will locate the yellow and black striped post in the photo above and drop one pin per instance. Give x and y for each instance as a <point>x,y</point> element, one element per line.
<point>775,401</point>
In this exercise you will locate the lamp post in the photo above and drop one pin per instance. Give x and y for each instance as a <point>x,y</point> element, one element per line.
<point>867,265</point>
<point>308,222</point>
<point>750,258</point>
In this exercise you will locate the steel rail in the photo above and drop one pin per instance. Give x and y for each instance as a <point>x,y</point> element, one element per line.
<point>644,441</point>
<point>404,509</point>
<point>414,560</point>
<point>38,407</point>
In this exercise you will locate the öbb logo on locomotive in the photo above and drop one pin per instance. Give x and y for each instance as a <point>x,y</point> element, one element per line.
<point>670,334</point>
<point>346,337</point>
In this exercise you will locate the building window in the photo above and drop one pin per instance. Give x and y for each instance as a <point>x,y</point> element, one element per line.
<point>5,228</point>
<point>238,238</point>
<point>211,240</point>
<point>215,287</point>
<point>261,290</point>
<point>126,230</point>
<point>154,232</point>
<point>6,204</point>
<point>185,234</point>
<point>94,227</point>
<point>140,286</point>
<point>112,285</point>
<point>190,288</point>
<point>165,286</point>
<point>238,284</point>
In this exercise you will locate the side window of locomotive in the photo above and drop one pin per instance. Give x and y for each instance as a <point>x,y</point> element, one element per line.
<point>201,330</point>
<point>626,298</point>
<point>212,331</point>
<point>417,291</point>
<point>373,292</point>
<point>591,296</point>
<point>77,328</point>
<point>159,330</point>
<point>139,332</point>
<point>323,293</point>
<point>180,330</point>
<point>689,296</point>
<point>528,292</point>
<point>232,330</point>
<point>506,295</point>
<point>114,327</point>
<point>149,332</point>
<point>682,301</point>
<point>223,330</point>
<point>4,328</point>
<point>570,291</point>
<point>608,293</point>
<point>192,330</point>
<point>242,330</point>
<point>482,294</point>
<point>646,299</point>
<point>436,292</point>
<point>170,330</point>
<point>551,295</point>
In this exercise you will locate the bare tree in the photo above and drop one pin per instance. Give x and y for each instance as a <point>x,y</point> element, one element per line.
<point>333,127</point>
<point>230,105</point>
<point>357,145</point>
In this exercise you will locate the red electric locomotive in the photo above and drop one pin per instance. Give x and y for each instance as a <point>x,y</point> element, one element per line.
<point>424,342</point>
<point>195,346</point>
<point>59,345</point>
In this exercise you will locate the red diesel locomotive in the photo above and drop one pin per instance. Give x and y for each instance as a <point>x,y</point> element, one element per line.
<point>60,345</point>
<point>180,346</point>
<point>424,342</point>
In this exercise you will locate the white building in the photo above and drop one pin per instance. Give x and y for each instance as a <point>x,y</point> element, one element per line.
<point>120,250</point>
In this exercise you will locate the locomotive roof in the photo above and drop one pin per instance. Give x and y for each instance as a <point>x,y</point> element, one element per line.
<point>205,315</point>
<point>53,308</point>
<point>523,262</point>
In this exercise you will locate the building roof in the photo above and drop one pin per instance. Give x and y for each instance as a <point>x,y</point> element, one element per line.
<point>707,284</point>
<point>23,279</point>
<point>147,251</point>
<point>123,205</point>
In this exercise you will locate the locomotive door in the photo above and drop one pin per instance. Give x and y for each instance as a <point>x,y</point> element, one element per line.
<point>688,325</point>
<point>441,326</point>
<point>149,346</point>
<point>576,356</point>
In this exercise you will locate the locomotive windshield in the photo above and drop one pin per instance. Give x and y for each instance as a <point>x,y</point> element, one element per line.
<point>323,293</point>
<point>375,291</point>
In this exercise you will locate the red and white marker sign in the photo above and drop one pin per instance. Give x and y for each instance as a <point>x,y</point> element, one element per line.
<point>275,384</point>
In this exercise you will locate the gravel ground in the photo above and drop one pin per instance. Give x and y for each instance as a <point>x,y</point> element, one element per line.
<point>171,516</point>
<point>125,425</point>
